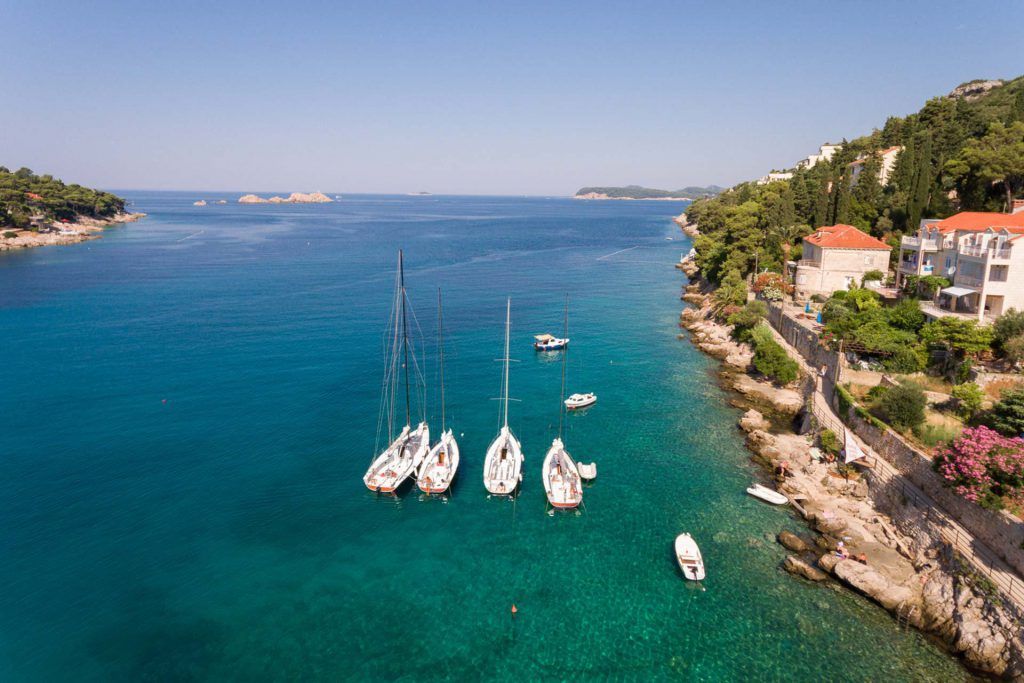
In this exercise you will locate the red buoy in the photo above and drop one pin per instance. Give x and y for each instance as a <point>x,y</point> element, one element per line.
<point>514,610</point>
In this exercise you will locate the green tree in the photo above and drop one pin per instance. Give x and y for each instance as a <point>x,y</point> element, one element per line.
<point>746,319</point>
<point>903,406</point>
<point>770,359</point>
<point>969,398</point>
<point>1007,326</point>
<point>996,158</point>
<point>1007,416</point>
<point>733,290</point>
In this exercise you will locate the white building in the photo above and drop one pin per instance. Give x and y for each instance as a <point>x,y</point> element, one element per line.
<point>980,253</point>
<point>825,153</point>
<point>888,158</point>
<point>774,176</point>
<point>836,257</point>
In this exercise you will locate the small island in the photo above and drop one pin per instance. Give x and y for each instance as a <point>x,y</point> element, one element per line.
<point>40,210</point>
<point>293,198</point>
<point>638,192</point>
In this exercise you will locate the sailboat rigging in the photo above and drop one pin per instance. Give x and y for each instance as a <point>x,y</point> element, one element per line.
<point>504,462</point>
<point>442,462</point>
<point>562,483</point>
<point>405,452</point>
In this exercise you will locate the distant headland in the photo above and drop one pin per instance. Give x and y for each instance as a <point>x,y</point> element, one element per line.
<point>637,192</point>
<point>40,210</point>
<point>293,198</point>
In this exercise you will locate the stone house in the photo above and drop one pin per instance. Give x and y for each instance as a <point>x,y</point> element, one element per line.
<point>836,257</point>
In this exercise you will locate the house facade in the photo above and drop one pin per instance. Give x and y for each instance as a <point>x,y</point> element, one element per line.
<point>825,153</point>
<point>888,162</point>
<point>773,177</point>
<point>980,253</point>
<point>836,257</point>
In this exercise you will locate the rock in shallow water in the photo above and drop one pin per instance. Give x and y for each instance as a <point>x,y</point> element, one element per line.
<point>792,542</point>
<point>794,565</point>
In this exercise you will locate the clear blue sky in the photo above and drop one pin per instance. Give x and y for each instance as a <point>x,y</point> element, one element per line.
<point>469,97</point>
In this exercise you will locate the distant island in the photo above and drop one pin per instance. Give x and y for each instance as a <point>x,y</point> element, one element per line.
<point>40,210</point>
<point>637,192</point>
<point>293,198</point>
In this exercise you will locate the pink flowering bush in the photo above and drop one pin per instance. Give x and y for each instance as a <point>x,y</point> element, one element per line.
<point>983,466</point>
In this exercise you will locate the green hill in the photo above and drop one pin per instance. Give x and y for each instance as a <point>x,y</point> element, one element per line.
<point>25,196</point>
<point>637,192</point>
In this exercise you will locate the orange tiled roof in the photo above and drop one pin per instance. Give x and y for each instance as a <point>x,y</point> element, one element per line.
<point>844,237</point>
<point>977,221</point>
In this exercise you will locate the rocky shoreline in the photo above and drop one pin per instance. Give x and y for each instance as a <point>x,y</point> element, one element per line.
<point>907,571</point>
<point>63,233</point>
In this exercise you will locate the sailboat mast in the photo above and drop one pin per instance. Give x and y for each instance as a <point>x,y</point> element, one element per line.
<point>508,321</point>
<point>565,359</point>
<point>440,348</point>
<point>405,335</point>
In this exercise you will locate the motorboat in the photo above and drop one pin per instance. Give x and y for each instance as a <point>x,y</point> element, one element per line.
<point>767,495</point>
<point>577,401</point>
<point>503,464</point>
<point>546,342</point>
<point>689,558</point>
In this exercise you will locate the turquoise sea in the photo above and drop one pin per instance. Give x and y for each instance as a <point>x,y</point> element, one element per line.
<point>189,404</point>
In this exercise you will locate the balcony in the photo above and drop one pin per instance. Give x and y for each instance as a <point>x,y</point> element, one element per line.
<point>808,263</point>
<point>968,281</point>
<point>919,244</point>
<point>933,311</point>
<point>985,253</point>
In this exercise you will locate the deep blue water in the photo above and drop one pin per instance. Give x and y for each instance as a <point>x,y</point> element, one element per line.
<point>189,403</point>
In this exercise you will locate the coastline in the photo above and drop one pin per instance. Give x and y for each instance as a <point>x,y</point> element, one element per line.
<point>82,230</point>
<point>601,197</point>
<point>909,572</point>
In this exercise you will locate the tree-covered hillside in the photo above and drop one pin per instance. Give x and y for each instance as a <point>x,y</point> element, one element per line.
<point>637,192</point>
<point>24,196</point>
<point>959,152</point>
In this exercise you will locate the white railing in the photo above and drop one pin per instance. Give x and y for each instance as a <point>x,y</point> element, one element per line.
<point>981,251</point>
<point>918,243</point>
<point>969,281</point>
<point>908,266</point>
<point>807,263</point>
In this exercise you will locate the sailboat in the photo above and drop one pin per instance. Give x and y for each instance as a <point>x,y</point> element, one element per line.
<point>442,462</point>
<point>503,466</point>
<point>405,453</point>
<point>561,476</point>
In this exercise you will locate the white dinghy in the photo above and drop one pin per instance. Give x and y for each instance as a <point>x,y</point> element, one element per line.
<point>688,556</point>
<point>588,472</point>
<point>503,466</point>
<point>767,495</point>
<point>405,453</point>
<point>442,462</point>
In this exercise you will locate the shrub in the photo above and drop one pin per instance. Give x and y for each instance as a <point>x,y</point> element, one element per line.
<point>746,319</point>
<point>1013,349</point>
<point>818,298</point>
<point>933,435</point>
<point>10,234</point>
<point>829,442</point>
<point>906,315</point>
<point>983,466</point>
<point>1007,326</point>
<point>903,406</point>
<point>969,398</point>
<point>930,284</point>
<point>1007,414</point>
<point>772,286</point>
<point>876,392</point>
<point>733,289</point>
<point>770,359</point>
<point>875,275</point>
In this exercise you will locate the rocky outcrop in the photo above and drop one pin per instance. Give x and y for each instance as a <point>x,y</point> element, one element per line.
<point>293,198</point>
<point>753,420</point>
<point>63,233</point>
<point>974,89</point>
<point>794,565</point>
<point>791,541</point>
<point>784,401</point>
<point>201,202</point>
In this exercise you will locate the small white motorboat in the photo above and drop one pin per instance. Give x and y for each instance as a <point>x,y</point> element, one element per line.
<point>577,401</point>
<point>587,472</point>
<point>767,495</point>
<point>688,556</point>
<point>546,342</point>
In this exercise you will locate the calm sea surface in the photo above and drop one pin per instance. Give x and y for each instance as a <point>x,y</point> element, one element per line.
<point>188,406</point>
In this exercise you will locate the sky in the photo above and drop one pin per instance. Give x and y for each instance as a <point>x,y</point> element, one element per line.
<point>469,97</point>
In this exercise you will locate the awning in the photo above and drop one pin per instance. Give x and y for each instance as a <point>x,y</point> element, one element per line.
<point>543,337</point>
<point>958,291</point>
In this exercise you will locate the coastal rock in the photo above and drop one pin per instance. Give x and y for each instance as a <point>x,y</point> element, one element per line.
<point>875,585</point>
<point>293,198</point>
<point>794,565</point>
<point>201,202</point>
<point>783,400</point>
<point>791,541</point>
<point>831,525</point>
<point>251,199</point>
<point>752,420</point>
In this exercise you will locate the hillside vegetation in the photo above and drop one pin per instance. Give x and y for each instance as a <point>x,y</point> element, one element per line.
<point>637,192</point>
<point>963,151</point>
<point>25,195</point>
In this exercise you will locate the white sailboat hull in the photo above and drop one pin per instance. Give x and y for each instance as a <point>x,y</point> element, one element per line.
<point>562,483</point>
<point>399,460</point>
<point>503,466</point>
<point>438,469</point>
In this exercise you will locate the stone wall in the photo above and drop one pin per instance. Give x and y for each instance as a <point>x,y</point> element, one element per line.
<point>1000,531</point>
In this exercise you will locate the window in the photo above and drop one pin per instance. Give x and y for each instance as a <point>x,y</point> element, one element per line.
<point>801,279</point>
<point>998,274</point>
<point>867,259</point>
